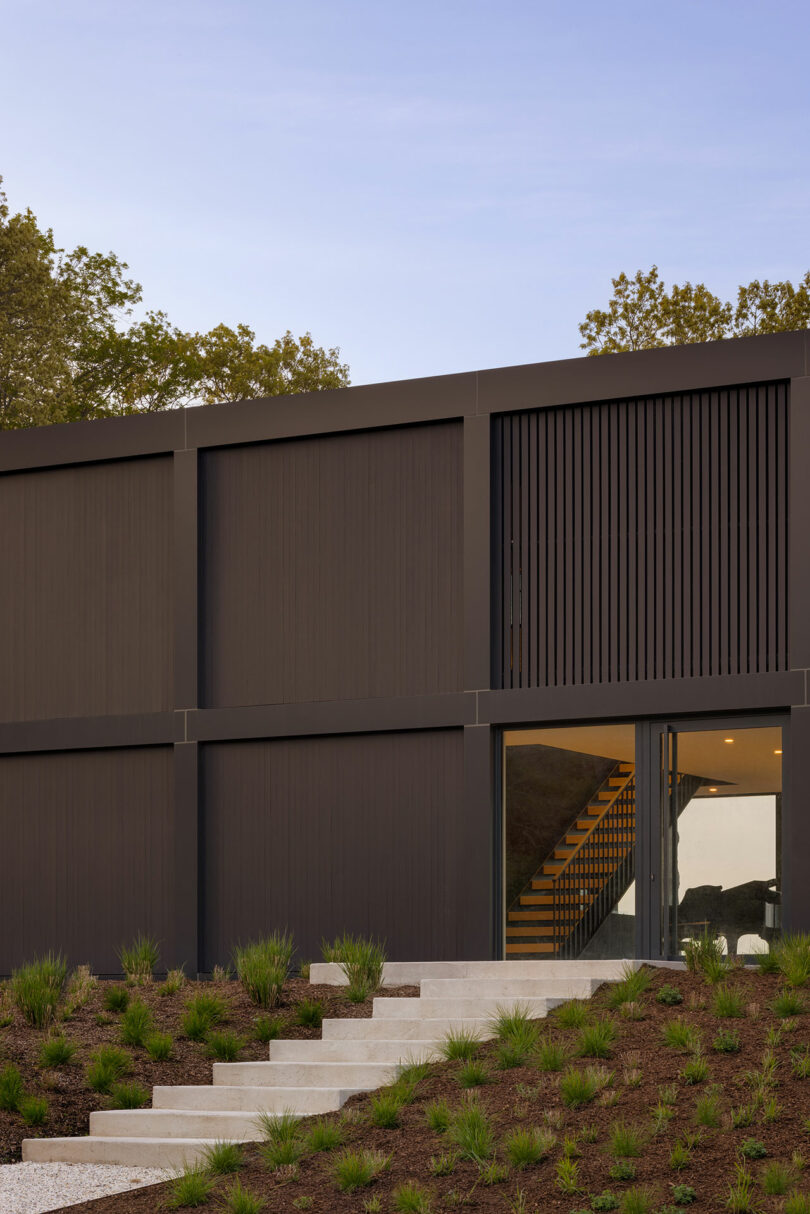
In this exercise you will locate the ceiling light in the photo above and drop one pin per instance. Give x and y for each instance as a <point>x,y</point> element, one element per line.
<point>777,752</point>
<point>712,790</point>
<point>728,739</point>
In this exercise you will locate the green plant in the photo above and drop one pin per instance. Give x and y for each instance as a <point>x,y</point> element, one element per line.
<point>792,955</point>
<point>696,1070</point>
<point>437,1115</point>
<point>771,1109</point>
<point>128,1096</point>
<point>509,1054</point>
<point>776,1178</point>
<point>767,962</point>
<point>679,1157</point>
<point>262,967</point>
<point>6,1006</point>
<point>788,1003</point>
<point>442,1165</point>
<point>707,1109</point>
<point>384,1110</point>
<point>668,1093</point>
<point>493,1172</point>
<point>596,1040</point>
<point>796,1203</point>
<point>626,1141</point>
<point>800,1063</point>
<point>80,986</point>
<point>630,987</point>
<point>460,1044</point>
<point>567,1171</point>
<point>727,1041</point>
<point>704,954</point>
<point>740,1193</point>
<point>281,1139</point>
<point>471,1131</point>
<point>192,1187</point>
<point>623,1169</point>
<point>525,1147</point>
<point>550,1055</point>
<point>679,1034</point>
<point>56,1051</point>
<point>116,998</point>
<point>36,988</point>
<point>356,1169</point>
<point>473,1074</point>
<point>572,1015</point>
<point>224,1045</point>
<point>238,1200</point>
<point>267,1028</point>
<point>159,1046</point>
<point>727,1002</point>
<point>175,981</point>
<point>662,1114</point>
<point>362,962</point>
<point>578,1087</point>
<point>753,1149</point>
<point>107,1065</point>
<point>515,1023</point>
<point>223,1157</point>
<point>605,1201</point>
<point>570,1147</point>
<point>324,1135</point>
<point>411,1198</point>
<point>136,1024</point>
<point>373,1205</point>
<point>139,959</point>
<point>202,1012</point>
<point>683,1194</point>
<point>637,1200</point>
<point>669,996</point>
<point>305,1202</point>
<point>33,1110</point>
<point>309,1013</point>
<point>742,1116</point>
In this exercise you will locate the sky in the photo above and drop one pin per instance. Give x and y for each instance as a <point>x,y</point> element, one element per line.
<point>432,187</point>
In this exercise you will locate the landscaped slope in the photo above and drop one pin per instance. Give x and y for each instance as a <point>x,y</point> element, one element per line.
<point>684,1093</point>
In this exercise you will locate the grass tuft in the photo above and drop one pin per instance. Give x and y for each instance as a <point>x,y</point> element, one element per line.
<point>36,988</point>
<point>33,1110</point>
<point>384,1110</point>
<point>107,1065</point>
<point>471,1131</point>
<point>238,1200</point>
<point>361,961</point>
<point>309,1013</point>
<point>56,1051</point>
<point>202,1012</point>
<point>437,1115</point>
<point>356,1169</point>
<point>788,1003</point>
<point>460,1044</point>
<point>630,988</point>
<point>728,1003</point>
<point>473,1074</point>
<point>136,1024</point>
<point>529,1146</point>
<point>597,1040</point>
<point>262,967</point>
<point>679,1034</point>
<point>192,1187</point>
<point>116,998</point>
<point>626,1141</point>
<point>267,1028</point>
<point>574,1014</point>
<point>159,1046</point>
<point>324,1135</point>
<point>139,959</point>
<point>224,1045</point>
<point>411,1198</point>
<point>550,1055</point>
<point>222,1158</point>
<point>128,1096</point>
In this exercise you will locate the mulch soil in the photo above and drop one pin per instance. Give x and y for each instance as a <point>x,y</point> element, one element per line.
<point>70,1100</point>
<point>527,1096</point>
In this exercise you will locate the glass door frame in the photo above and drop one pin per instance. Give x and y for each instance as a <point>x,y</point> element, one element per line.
<point>651,815</point>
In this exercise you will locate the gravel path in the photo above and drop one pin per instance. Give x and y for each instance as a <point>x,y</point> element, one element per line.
<point>31,1188</point>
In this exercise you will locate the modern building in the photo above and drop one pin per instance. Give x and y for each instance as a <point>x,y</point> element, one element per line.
<point>508,663</point>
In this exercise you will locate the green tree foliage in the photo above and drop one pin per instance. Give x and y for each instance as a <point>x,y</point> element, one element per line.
<point>642,314</point>
<point>69,348</point>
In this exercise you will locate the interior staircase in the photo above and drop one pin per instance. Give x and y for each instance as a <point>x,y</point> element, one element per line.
<point>309,1077</point>
<point>568,899</point>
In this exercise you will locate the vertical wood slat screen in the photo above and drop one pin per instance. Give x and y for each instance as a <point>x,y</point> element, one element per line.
<point>642,539</point>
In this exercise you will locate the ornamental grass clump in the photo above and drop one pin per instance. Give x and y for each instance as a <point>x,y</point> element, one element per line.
<point>33,1110</point>
<point>460,1045</point>
<point>107,1065</point>
<point>525,1147</point>
<point>550,1055</point>
<point>626,1141</point>
<point>262,967</point>
<point>597,1040</point>
<point>580,1087</point>
<point>471,1131</point>
<point>192,1187</point>
<point>324,1136</point>
<point>128,1096</point>
<point>728,1003</point>
<point>202,1012</point>
<point>236,1199</point>
<point>309,1013</point>
<point>136,1024</point>
<point>222,1158</point>
<point>630,987</point>
<point>411,1198</point>
<point>224,1045</point>
<point>356,1169</point>
<point>36,988</point>
<point>56,1051</point>
<point>384,1110</point>
<point>572,1015</point>
<point>792,955</point>
<point>679,1034</point>
<point>139,959</point>
<point>788,1003</point>
<point>116,998</point>
<point>361,960</point>
<point>11,1088</point>
<point>704,955</point>
<point>159,1046</point>
<point>282,1145</point>
<point>437,1115</point>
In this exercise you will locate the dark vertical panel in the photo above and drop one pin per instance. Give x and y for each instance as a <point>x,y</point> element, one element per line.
<point>88,855</point>
<point>185,576</point>
<point>333,567</point>
<point>394,842</point>
<point>86,592</point>
<point>664,527</point>
<point>186,889</point>
<point>478,629</point>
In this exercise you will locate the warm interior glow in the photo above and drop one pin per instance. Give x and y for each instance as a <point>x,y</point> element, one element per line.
<point>728,740</point>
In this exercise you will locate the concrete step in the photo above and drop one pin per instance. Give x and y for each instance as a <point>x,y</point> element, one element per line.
<point>246,1098</point>
<point>172,1153</point>
<point>305,1074</point>
<point>494,988</point>
<point>410,1030</point>
<point>458,1007</point>
<point>363,1050</point>
<point>410,973</point>
<point>176,1123</point>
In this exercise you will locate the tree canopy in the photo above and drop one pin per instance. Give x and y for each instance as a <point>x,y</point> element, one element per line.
<point>70,349</point>
<point>642,314</point>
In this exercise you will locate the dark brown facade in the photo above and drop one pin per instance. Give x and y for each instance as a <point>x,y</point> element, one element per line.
<point>255,658</point>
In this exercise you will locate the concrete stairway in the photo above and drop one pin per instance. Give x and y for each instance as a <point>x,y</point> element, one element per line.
<point>311,1077</point>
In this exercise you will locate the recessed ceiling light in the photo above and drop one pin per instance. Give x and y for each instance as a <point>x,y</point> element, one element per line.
<point>728,739</point>
<point>712,790</point>
<point>777,752</point>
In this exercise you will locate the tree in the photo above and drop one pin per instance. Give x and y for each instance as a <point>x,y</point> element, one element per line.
<point>69,349</point>
<point>642,314</point>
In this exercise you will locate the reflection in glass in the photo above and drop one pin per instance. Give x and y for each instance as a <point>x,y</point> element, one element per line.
<point>722,848</point>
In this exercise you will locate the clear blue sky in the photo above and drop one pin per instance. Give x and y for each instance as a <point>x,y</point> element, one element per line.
<point>433,187</point>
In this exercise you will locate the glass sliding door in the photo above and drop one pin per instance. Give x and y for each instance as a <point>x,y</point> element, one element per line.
<point>570,841</point>
<point>720,846</point>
